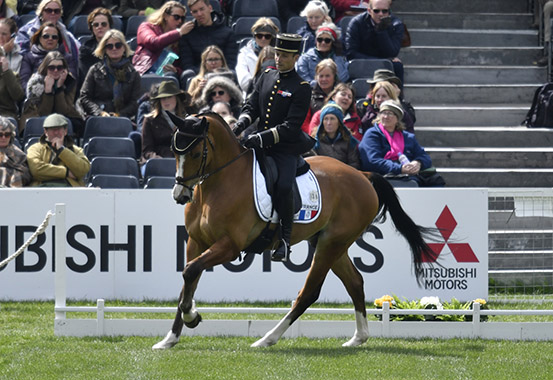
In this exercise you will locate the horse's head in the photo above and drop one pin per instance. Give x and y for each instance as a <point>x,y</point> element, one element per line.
<point>190,146</point>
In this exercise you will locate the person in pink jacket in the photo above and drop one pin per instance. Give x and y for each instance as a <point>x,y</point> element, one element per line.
<point>159,36</point>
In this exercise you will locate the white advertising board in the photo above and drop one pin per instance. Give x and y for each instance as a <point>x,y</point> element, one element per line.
<point>130,244</point>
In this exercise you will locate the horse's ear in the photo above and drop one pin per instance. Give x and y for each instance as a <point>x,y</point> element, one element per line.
<point>178,121</point>
<point>204,123</point>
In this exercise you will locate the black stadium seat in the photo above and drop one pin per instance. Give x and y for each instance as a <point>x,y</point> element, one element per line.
<point>109,146</point>
<point>106,127</point>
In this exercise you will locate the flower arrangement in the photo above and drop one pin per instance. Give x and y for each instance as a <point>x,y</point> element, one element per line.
<point>430,303</point>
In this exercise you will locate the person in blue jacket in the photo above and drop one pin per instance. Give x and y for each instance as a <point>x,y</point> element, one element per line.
<point>328,45</point>
<point>386,148</point>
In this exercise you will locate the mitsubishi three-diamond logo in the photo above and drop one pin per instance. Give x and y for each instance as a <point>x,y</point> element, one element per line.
<point>462,252</point>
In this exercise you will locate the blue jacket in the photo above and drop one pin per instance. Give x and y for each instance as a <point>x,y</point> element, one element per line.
<point>308,36</point>
<point>364,41</point>
<point>374,146</point>
<point>305,66</point>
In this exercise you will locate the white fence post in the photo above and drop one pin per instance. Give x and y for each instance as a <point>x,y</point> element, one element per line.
<point>100,304</point>
<point>60,278</point>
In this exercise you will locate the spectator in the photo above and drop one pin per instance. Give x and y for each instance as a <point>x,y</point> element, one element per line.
<point>328,45</point>
<point>159,36</point>
<point>343,95</point>
<point>158,128</point>
<point>265,61</point>
<point>99,22</point>
<point>14,171</point>
<point>12,51</point>
<point>376,34</point>
<point>8,10</point>
<point>112,86</point>
<point>325,81</point>
<point>334,139</point>
<point>128,8</point>
<point>11,92</point>
<point>264,32</point>
<point>50,11</point>
<point>212,59</point>
<point>343,8</point>
<point>547,11</point>
<point>209,29</point>
<point>316,13</point>
<point>52,89</point>
<point>45,40</point>
<point>221,89</point>
<point>55,161</point>
<point>222,108</point>
<point>384,143</point>
<point>381,92</point>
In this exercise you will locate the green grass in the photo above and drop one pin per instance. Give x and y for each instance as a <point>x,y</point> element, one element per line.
<point>29,350</point>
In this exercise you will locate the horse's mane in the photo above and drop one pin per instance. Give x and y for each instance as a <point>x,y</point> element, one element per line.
<point>217,117</point>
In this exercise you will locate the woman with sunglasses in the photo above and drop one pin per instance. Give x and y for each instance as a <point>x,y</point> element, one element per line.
<point>264,32</point>
<point>99,21</point>
<point>52,89</point>
<point>159,36</point>
<point>45,40</point>
<point>221,88</point>
<point>316,13</point>
<point>14,171</point>
<point>328,45</point>
<point>213,59</point>
<point>50,11</point>
<point>112,86</point>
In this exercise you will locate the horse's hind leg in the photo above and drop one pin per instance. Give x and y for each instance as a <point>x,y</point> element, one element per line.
<point>353,281</point>
<point>322,262</point>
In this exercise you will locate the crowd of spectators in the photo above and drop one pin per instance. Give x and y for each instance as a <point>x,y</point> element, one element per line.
<point>202,66</point>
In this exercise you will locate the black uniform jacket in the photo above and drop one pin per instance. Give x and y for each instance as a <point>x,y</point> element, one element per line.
<point>281,101</point>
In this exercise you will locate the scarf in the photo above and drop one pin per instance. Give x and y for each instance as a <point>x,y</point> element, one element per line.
<point>397,143</point>
<point>118,75</point>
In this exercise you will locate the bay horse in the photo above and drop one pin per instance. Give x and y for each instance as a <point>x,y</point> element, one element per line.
<point>214,180</point>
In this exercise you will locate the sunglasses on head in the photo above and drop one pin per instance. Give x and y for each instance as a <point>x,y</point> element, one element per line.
<point>5,134</point>
<point>178,17</point>
<point>103,24</point>
<point>220,93</point>
<point>56,67</point>
<point>117,45</point>
<point>384,11</point>
<point>325,40</point>
<point>50,36</point>
<point>264,36</point>
<point>52,10</point>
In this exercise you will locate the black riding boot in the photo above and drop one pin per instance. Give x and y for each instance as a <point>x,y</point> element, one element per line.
<point>286,214</point>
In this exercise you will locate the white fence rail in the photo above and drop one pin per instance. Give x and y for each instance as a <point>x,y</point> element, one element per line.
<point>102,326</point>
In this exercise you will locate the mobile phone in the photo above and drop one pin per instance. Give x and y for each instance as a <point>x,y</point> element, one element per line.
<point>13,35</point>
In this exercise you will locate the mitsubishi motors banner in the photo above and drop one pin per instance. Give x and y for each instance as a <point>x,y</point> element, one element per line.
<point>130,244</point>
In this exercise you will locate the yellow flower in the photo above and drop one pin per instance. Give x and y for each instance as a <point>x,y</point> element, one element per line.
<point>379,301</point>
<point>480,301</point>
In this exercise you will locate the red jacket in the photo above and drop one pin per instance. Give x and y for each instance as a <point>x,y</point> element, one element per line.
<point>151,41</point>
<point>341,7</point>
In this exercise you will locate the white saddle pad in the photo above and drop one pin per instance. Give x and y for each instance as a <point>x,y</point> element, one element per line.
<point>309,191</point>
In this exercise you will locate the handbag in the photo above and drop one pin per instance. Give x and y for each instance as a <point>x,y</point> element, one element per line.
<point>430,178</point>
<point>406,40</point>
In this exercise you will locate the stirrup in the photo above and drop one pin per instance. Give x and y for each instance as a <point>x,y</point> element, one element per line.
<point>282,253</point>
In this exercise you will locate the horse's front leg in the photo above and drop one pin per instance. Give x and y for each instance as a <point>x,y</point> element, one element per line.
<point>222,251</point>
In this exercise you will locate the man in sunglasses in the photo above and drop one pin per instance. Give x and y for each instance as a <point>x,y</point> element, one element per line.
<point>376,34</point>
<point>280,100</point>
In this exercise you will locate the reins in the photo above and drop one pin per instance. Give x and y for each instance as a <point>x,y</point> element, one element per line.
<point>201,170</point>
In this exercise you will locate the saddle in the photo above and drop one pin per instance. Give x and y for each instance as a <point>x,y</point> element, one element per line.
<point>270,172</point>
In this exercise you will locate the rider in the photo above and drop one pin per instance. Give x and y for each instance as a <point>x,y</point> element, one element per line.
<point>280,100</point>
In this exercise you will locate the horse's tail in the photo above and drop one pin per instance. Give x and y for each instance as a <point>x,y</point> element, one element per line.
<point>413,233</point>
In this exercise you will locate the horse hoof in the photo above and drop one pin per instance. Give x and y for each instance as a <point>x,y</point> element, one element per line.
<point>354,342</point>
<point>263,343</point>
<point>169,341</point>
<point>195,322</point>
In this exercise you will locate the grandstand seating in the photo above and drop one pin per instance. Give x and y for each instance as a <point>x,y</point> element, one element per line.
<point>114,181</point>
<point>33,128</point>
<point>107,127</point>
<point>256,8</point>
<point>132,25</point>
<point>30,141</point>
<point>361,87</point>
<point>147,80</point>
<point>365,68</point>
<point>294,23</point>
<point>114,165</point>
<point>156,167</point>
<point>109,146</point>
<point>158,182</point>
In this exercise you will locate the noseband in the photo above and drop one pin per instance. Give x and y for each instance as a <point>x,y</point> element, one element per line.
<point>197,138</point>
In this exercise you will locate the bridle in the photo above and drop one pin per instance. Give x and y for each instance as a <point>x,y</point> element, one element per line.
<point>197,138</point>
